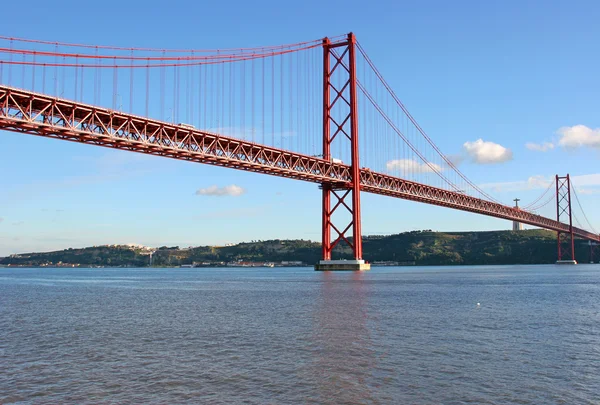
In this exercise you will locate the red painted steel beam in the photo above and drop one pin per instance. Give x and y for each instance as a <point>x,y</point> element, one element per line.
<point>339,89</point>
<point>563,207</point>
<point>41,115</point>
<point>378,183</point>
<point>326,192</point>
<point>356,186</point>
<point>36,114</point>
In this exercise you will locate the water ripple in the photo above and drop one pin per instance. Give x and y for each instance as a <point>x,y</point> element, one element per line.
<point>279,336</point>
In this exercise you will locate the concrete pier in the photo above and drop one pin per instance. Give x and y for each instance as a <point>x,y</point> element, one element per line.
<point>342,265</point>
<point>566,262</point>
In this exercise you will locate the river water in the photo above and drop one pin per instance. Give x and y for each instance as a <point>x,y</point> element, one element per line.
<point>411,335</point>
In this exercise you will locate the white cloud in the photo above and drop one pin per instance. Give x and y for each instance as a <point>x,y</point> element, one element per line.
<point>543,147</point>
<point>485,152</point>
<point>1,219</point>
<point>579,136</point>
<point>412,166</point>
<point>532,183</point>
<point>232,190</point>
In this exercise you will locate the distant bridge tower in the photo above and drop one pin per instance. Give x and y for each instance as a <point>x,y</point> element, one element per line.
<point>517,226</point>
<point>566,240</point>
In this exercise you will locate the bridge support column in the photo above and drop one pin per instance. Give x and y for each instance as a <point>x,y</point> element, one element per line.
<point>565,241</point>
<point>340,124</point>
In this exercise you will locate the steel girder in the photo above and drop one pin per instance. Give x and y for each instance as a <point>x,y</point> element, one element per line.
<point>37,114</point>
<point>378,183</point>
<point>42,115</point>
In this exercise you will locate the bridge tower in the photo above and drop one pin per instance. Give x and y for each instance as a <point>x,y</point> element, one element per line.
<point>565,241</point>
<point>340,124</point>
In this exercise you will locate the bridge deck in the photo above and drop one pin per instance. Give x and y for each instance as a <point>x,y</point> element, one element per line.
<point>42,115</point>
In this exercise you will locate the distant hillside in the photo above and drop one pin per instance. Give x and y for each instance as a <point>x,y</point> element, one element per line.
<point>467,248</point>
<point>91,256</point>
<point>418,247</point>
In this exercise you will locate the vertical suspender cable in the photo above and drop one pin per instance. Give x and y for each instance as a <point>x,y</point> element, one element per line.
<point>115,87</point>
<point>82,84</point>
<point>33,73</point>
<point>281,119</point>
<point>23,71</point>
<point>263,89</point>
<point>243,99</point>
<point>62,85</point>
<point>253,100</point>
<point>131,70</point>
<point>43,77</point>
<point>76,77</point>
<point>162,94</point>
<point>231,105</point>
<point>147,86</point>
<point>291,98</point>
<point>273,101</point>
<point>222,101</point>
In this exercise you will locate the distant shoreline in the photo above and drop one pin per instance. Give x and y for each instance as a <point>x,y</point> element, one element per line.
<point>416,248</point>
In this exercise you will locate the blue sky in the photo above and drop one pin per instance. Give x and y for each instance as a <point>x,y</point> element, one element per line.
<point>509,73</point>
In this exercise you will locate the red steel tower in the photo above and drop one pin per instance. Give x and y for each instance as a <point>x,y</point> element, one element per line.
<point>565,241</point>
<point>340,124</point>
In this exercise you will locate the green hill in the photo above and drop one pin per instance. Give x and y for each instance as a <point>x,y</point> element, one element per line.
<point>417,247</point>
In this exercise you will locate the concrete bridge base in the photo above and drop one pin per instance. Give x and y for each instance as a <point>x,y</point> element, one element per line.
<point>566,262</point>
<point>342,265</point>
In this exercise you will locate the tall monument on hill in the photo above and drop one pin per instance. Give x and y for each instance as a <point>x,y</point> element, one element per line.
<point>517,226</point>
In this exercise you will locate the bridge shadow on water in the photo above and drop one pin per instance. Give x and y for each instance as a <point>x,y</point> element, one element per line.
<point>343,357</point>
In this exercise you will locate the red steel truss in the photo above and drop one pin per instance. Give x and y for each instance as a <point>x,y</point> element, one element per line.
<point>565,240</point>
<point>36,114</point>
<point>340,119</point>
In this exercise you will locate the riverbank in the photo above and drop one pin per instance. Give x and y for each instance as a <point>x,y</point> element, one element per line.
<point>421,248</point>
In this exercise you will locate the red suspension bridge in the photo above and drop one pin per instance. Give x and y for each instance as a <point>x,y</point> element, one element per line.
<point>291,111</point>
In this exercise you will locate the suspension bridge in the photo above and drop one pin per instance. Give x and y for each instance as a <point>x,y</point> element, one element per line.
<point>317,111</point>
